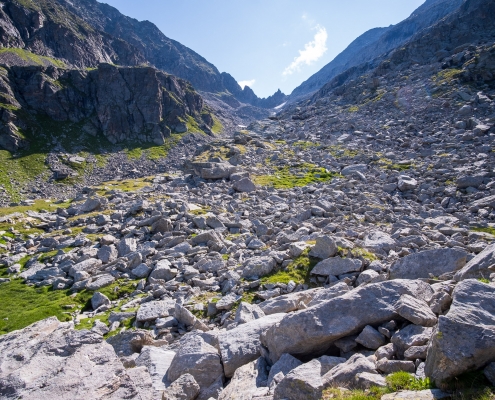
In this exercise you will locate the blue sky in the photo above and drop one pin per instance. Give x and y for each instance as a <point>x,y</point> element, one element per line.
<point>269,44</point>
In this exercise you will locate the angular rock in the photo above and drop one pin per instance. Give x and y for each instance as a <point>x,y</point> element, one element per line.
<point>257,267</point>
<point>463,339</point>
<point>286,364</point>
<point>51,360</point>
<point>98,299</point>
<point>325,247</point>
<point>241,345</point>
<point>126,246</point>
<point>286,303</point>
<point>314,329</point>
<point>302,383</point>
<point>479,266</point>
<point>391,366</point>
<point>322,295</point>
<point>411,335</point>
<point>371,338</point>
<point>247,313</point>
<point>428,263</point>
<point>155,309</point>
<point>184,388</point>
<point>337,266</point>
<point>416,311</point>
<point>197,358</point>
<point>157,361</point>
<point>244,185</point>
<point>407,183</point>
<point>246,381</point>
<point>344,374</point>
<point>379,241</point>
<point>367,380</point>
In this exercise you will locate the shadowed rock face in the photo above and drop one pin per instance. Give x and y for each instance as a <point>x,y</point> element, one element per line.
<point>123,103</point>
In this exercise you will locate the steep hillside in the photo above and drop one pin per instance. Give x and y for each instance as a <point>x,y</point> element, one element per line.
<point>85,33</point>
<point>377,43</point>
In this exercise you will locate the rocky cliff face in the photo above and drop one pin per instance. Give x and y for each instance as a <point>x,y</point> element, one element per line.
<point>123,103</point>
<point>377,43</point>
<point>86,33</point>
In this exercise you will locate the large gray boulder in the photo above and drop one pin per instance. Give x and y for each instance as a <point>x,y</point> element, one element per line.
<point>478,267</point>
<point>379,241</point>
<point>184,388</point>
<point>198,358</point>
<point>51,360</point>
<point>241,345</point>
<point>257,267</point>
<point>325,247</point>
<point>246,381</point>
<point>435,262</point>
<point>302,383</point>
<point>321,295</point>
<point>464,338</point>
<point>313,330</point>
<point>155,309</point>
<point>337,266</point>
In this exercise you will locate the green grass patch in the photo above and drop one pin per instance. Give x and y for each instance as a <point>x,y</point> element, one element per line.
<point>217,127</point>
<point>446,75</point>
<point>305,145</point>
<point>22,305</point>
<point>127,185</point>
<point>32,58</point>
<point>299,270</point>
<point>289,177</point>
<point>488,229</point>
<point>39,205</point>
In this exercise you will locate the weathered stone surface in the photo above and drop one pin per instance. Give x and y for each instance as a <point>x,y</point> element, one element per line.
<point>329,362</point>
<point>247,313</point>
<point>286,364</point>
<point>98,299</point>
<point>411,335</point>
<point>314,329</point>
<point>241,345</point>
<point>91,265</point>
<point>286,303</point>
<point>157,361</point>
<point>344,374</point>
<point>51,360</point>
<point>184,388</point>
<point>155,309</point>
<point>367,380</point>
<point>478,267</point>
<point>244,185</point>
<point>246,380</point>
<point>302,383</point>
<point>370,338</point>
<point>379,241</point>
<point>463,339</point>
<point>325,247</point>
<point>489,372</point>
<point>322,295</point>
<point>416,311</point>
<point>337,266</point>
<point>428,263</point>
<point>197,358</point>
<point>391,366</point>
<point>257,267</point>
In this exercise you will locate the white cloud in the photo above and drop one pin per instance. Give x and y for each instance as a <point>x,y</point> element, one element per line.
<point>250,83</point>
<point>312,52</point>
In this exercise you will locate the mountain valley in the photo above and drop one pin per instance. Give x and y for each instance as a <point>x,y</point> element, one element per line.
<point>166,235</point>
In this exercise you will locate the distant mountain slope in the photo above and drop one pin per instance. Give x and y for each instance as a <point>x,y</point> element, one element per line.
<point>85,33</point>
<point>377,43</point>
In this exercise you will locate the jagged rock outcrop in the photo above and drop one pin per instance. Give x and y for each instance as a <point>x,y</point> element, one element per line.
<point>123,103</point>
